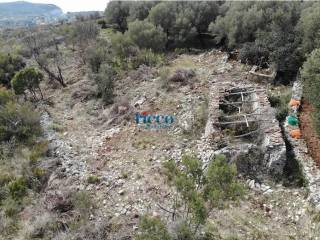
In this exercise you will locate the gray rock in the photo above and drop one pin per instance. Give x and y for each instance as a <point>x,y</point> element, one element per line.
<point>251,184</point>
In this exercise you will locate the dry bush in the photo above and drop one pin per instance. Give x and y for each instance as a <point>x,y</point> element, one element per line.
<point>59,201</point>
<point>94,231</point>
<point>182,75</point>
<point>120,111</point>
<point>121,106</point>
<point>42,225</point>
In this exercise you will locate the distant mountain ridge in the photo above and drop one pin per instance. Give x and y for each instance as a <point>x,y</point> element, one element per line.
<point>21,14</point>
<point>20,8</point>
<point>26,14</point>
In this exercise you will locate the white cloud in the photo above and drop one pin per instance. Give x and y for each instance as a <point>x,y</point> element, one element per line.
<point>73,5</point>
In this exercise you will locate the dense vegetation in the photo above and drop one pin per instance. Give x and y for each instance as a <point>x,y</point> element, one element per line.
<point>198,192</point>
<point>279,35</point>
<point>9,65</point>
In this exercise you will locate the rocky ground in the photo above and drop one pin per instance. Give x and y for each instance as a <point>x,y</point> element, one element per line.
<point>87,139</point>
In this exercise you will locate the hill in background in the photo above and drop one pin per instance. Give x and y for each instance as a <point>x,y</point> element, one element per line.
<point>21,14</point>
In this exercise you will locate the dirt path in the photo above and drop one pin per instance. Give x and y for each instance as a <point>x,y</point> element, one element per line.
<point>308,132</point>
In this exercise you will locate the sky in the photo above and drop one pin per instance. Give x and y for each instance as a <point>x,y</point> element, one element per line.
<point>73,5</point>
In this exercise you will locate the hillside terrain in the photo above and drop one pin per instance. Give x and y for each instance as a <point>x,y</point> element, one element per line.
<point>26,14</point>
<point>18,14</point>
<point>128,161</point>
<point>162,121</point>
<point>25,8</point>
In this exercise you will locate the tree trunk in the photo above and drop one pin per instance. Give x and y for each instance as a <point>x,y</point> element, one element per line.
<point>40,93</point>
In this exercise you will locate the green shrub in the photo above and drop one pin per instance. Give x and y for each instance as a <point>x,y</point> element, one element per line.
<point>146,35</point>
<point>221,183</point>
<point>27,79</point>
<point>184,231</point>
<point>148,58</point>
<point>82,203</point>
<point>201,117</point>
<point>11,207</point>
<point>18,121</point>
<point>3,194</point>
<point>282,112</point>
<point>164,75</point>
<point>309,27</point>
<point>5,178</point>
<point>152,229</point>
<point>199,191</point>
<point>123,46</point>
<point>93,179</point>
<point>124,175</point>
<point>5,96</point>
<point>38,173</point>
<point>18,188</point>
<point>56,127</point>
<point>9,65</point>
<point>105,81</point>
<point>8,149</point>
<point>102,23</point>
<point>280,101</point>
<point>117,13</point>
<point>254,54</point>
<point>98,54</point>
<point>38,150</point>
<point>130,50</point>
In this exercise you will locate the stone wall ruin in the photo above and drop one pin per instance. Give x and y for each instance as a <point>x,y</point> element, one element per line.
<point>242,116</point>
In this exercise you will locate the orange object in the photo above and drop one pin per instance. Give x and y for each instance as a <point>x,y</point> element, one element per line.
<point>295,133</point>
<point>294,103</point>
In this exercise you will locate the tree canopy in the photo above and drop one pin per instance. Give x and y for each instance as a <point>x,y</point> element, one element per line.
<point>9,65</point>
<point>277,34</point>
<point>145,35</point>
<point>27,79</point>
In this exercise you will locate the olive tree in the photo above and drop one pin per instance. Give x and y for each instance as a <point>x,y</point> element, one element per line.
<point>145,35</point>
<point>117,13</point>
<point>140,10</point>
<point>163,15</point>
<point>105,81</point>
<point>309,27</point>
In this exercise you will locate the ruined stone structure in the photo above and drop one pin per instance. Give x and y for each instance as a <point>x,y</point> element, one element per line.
<point>308,167</point>
<point>240,114</point>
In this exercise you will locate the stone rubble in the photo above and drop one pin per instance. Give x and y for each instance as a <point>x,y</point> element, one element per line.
<point>310,171</point>
<point>63,150</point>
<point>273,145</point>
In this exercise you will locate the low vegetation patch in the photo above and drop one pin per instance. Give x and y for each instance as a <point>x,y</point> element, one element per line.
<point>17,120</point>
<point>279,98</point>
<point>196,194</point>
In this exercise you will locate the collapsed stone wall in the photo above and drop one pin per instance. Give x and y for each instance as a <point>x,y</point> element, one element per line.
<point>257,155</point>
<point>299,147</point>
